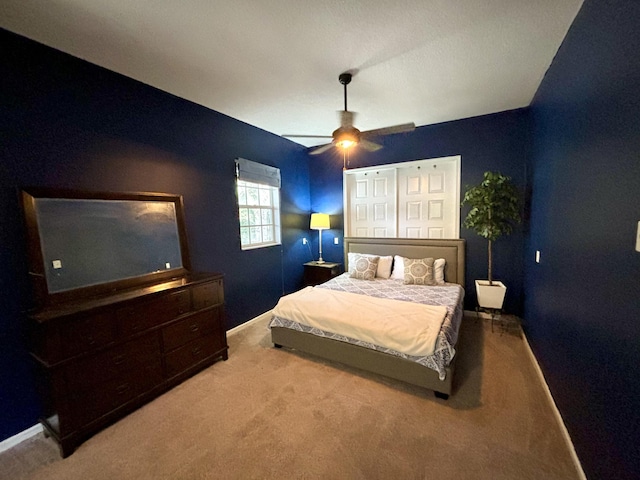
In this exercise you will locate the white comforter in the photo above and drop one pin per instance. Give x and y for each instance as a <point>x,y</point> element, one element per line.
<point>406,327</point>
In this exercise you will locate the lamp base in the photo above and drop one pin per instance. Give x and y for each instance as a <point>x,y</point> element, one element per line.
<point>320,260</point>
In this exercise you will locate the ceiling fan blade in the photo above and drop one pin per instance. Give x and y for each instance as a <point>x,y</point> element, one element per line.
<point>321,149</point>
<point>370,146</point>
<point>405,127</point>
<point>306,136</point>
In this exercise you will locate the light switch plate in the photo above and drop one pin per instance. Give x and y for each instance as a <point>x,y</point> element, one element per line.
<point>638,238</point>
<point>336,241</point>
<point>537,256</point>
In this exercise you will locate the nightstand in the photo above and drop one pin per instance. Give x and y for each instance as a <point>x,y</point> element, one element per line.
<point>315,273</point>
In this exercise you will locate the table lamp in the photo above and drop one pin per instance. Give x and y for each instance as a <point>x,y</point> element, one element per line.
<point>320,221</point>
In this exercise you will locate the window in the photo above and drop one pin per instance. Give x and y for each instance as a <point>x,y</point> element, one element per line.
<point>258,190</point>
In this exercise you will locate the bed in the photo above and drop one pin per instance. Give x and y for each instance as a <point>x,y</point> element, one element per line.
<point>434,372</point>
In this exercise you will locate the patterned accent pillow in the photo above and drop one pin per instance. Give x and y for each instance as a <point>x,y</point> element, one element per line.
<point>384,264</point>
<point>364,267</point>
<point>419,271</point>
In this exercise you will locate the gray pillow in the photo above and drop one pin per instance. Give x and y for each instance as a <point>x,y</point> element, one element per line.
<point>364,267</point>
<point>419,271</point>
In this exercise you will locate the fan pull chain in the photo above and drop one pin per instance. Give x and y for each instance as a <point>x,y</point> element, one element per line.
<point>345,158</point>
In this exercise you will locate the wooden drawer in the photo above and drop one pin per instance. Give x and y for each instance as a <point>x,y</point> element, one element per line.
<point>316,273</point>
<point>207,295</point>
<point>191,354</point>
<point>144,315</point>
<point>188,329</point>
<point>87,334</point>
<point>74,336</point>
<point>123,361</point>
<point>98,400</point>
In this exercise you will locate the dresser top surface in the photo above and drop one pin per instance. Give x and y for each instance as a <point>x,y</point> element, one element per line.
<point>82,305</point>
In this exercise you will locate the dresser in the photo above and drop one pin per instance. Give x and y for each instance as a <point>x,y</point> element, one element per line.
<point>99,358</point>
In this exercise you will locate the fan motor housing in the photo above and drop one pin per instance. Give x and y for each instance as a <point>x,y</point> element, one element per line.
<point>346,136</point>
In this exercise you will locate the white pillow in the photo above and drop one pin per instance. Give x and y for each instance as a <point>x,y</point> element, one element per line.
<point>384,264</point>
<point>438,267</point>
<point>398,268</point>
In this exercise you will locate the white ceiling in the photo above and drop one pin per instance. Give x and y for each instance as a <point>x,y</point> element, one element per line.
<point>275,63</point>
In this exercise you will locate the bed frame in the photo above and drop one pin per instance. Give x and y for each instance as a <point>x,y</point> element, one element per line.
<point>370,360</point>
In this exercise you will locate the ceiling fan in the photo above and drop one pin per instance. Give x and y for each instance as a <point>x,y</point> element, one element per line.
<point>347,136</point>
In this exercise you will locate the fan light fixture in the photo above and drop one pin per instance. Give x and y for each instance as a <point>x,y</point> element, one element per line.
<point>346,139</point>
<point>347,136</point>
<point>320,221</point>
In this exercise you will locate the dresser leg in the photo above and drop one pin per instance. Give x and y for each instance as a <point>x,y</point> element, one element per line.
<point>66,447</point>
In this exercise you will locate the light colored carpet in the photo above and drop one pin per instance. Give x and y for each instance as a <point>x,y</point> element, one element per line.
<point>269,413</point>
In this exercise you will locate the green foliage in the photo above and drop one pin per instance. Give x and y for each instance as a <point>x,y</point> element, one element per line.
<point>495,206</point>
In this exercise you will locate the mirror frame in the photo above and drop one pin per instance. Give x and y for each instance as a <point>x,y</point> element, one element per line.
<point>41,293</point>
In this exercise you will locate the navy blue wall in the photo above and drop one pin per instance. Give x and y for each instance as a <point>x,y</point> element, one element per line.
<point>583,307</point>
<point>67,123</point>
<point>491,142</point>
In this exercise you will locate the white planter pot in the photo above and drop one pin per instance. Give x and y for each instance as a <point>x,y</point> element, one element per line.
<point>490,296</point>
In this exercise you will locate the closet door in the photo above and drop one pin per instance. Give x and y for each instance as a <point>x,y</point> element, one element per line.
<point>428,199</point>
<point>371,198</point>
<point>418,199</point>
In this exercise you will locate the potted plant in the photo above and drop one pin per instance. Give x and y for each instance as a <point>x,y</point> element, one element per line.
<point>495,206</point>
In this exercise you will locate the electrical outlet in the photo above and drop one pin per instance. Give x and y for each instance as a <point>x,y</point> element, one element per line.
<point>304,241</point>
<point>167,265</point>
<point>57,264</point>
<point>638,238</point>
<point>336,241</point>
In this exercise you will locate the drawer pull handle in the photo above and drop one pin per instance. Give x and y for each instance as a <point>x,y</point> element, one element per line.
<point>122,389</point>
<point>91,340</point>
<point>196,351</point>
<point>135,326</point>
<point>195,327</point>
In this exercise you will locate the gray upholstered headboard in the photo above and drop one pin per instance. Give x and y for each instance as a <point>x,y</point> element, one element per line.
<point>453,251</point>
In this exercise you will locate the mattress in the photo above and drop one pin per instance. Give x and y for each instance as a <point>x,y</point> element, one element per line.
<point>448,295</point>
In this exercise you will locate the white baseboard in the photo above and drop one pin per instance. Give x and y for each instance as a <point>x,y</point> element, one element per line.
<point>20,437</point>
<point>264,316</point>
<point>563,428</point>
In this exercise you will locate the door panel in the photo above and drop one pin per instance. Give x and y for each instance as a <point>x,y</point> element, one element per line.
<point>428,200</point>
<point>418,199</point>
<point>371,204</point>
